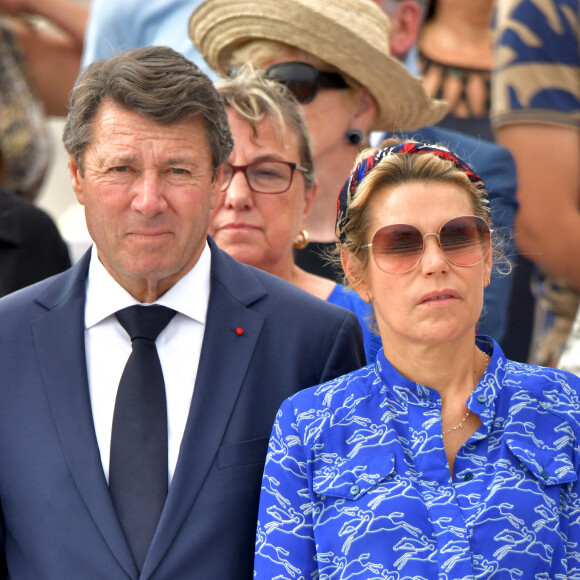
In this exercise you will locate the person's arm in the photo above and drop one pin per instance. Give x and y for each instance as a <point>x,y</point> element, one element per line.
<point>52,54</point>
<point>68,15</point>
<point>547,225</point>
<point>107,32</point>
<point>285,545</point>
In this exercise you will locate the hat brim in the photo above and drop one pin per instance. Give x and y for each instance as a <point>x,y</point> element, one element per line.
<point>218,27</point>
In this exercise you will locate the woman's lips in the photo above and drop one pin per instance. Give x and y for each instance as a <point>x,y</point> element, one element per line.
<point>238,226</point>
<point>439,297</point>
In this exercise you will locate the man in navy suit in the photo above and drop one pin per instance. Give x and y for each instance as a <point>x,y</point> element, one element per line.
<point>147,134</point>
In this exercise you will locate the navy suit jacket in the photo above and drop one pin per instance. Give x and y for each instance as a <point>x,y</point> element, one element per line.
<point>496,166</point>
<point>58,521</point>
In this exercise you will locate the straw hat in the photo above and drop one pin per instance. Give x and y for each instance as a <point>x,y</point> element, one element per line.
<point>351,35</point>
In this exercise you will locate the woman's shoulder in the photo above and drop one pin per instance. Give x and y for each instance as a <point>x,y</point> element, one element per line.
<point>554,390</point>
<point>542,380</point>
<point>342,404</point>
<point>540,420</point>
<point>338,397</point>
<point>362,382</point>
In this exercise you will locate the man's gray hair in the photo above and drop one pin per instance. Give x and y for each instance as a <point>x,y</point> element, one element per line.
<point>155,82</point>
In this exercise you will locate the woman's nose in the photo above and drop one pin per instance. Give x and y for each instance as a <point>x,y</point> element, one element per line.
<point>433,259</point>
<point>238,194</point>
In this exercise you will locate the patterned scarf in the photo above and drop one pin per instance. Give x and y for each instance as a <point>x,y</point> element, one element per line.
<point>366,166</point>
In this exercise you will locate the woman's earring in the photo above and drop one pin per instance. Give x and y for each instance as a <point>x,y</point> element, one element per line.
<point>354,137</point>
<point>302,239</point>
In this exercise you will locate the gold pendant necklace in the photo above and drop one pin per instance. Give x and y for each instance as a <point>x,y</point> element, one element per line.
<point>462,422</point>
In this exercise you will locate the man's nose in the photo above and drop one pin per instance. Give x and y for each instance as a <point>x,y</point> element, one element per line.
<point>149,194</point>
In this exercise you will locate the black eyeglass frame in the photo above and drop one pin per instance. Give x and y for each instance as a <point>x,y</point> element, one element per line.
<point>244,169</point>
<point>317,79</point>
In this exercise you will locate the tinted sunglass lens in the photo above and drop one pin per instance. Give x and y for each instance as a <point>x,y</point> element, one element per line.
<point>304,91</point>
<point>465,240</point>
<point>397,248</point>
<point>301,79</point>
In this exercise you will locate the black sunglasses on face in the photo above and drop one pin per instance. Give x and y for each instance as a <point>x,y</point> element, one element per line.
<point>303,80</point>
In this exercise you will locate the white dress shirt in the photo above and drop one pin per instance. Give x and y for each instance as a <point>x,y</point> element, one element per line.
<point>108,347</point>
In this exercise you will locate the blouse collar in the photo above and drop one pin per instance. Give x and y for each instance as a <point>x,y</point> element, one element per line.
<point>482,399</point>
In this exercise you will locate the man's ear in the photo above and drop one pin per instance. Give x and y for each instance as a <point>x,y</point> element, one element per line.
<point>76,178</point>
<point>405,27</point>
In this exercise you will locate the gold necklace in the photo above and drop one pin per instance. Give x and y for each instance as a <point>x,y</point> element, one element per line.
<point>459,425</point>
<point>462,422</point>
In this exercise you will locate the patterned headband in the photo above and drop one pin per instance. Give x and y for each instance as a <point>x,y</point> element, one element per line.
<point>367,165</point>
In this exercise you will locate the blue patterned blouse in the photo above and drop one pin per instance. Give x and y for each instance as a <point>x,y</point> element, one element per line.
<point>356,484</point>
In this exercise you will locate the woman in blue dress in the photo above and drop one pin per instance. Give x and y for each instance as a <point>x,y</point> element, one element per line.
<point>442,459</point>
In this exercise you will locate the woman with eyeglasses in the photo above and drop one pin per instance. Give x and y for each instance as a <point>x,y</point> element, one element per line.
<point>334,55</point>
<point>442,459</point>
<point>268,188</point>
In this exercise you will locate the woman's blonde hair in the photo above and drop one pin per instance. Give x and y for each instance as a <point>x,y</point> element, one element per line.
<point>254,97</point>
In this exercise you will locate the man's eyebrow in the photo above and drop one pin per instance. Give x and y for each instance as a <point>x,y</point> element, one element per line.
<point>129,160</point>
<point>181,161</point>
<point>118,161</point>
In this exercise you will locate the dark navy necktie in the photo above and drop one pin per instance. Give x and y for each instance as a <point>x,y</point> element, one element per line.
<point>138,469</point>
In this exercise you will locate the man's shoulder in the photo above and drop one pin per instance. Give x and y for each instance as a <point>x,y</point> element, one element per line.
<point>258,286</point>
<point>18,309</point>
<point>313,327</point>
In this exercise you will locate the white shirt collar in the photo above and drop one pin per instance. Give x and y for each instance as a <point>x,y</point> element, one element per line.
<point>189,295</point>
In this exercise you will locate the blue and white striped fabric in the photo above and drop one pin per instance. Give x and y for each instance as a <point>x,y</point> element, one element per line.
<point>356,484</point>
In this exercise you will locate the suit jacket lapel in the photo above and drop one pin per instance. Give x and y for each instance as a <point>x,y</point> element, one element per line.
<point>60,345</point>
<point>225,356</point>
